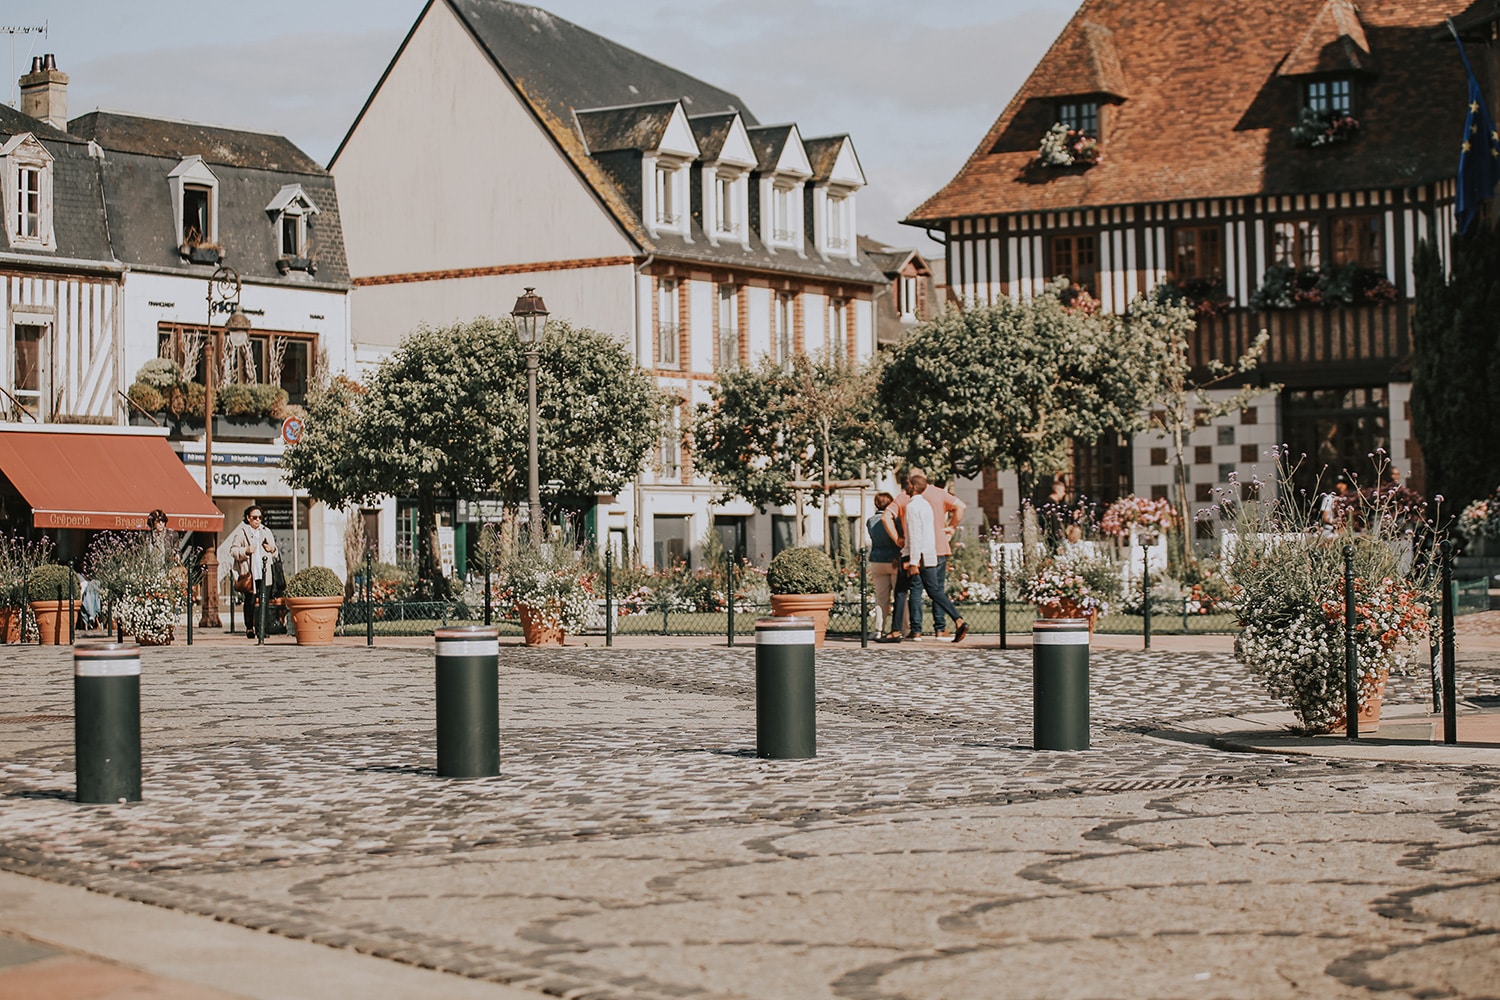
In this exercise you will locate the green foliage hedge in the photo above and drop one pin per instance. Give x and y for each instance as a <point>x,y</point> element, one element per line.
<point>802,571</point>
<point>315,581</point>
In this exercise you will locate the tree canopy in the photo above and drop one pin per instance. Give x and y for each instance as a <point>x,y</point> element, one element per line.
<point>1010,385</point>
<point>1455,390</point>
<point>769,423</point>
<point>445,416</point>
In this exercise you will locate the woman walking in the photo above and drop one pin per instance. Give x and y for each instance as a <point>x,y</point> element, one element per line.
<point>252,547</point>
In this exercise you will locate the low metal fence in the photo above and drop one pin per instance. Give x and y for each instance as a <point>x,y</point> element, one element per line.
<point>410,618</point>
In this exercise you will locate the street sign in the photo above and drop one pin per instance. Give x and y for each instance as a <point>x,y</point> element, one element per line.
<point>291,430</point>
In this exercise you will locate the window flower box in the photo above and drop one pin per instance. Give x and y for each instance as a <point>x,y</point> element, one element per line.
<point>1066,147</point>
<point>203,253</point>
<point>285,265</point>
<point>1323,128</point>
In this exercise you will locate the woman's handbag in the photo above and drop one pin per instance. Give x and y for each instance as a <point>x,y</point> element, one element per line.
<point>244,584</point>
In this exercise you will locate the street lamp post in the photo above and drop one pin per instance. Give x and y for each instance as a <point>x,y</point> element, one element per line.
<point>530,314</point>
<point>223,296</point>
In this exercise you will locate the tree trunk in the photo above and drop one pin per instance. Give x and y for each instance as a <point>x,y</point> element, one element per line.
<point>430,580</point>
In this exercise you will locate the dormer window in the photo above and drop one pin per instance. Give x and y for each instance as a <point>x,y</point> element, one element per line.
<point>197,214</point>
<point>666,197</point>
<point>195,196</point>
<point>838,238</point>
<point>784,213</point>
<point>1080,116</point>
<point>291,212</point>
<point>28,193</point>
<point>726,206</point>
<point>1330,97</point>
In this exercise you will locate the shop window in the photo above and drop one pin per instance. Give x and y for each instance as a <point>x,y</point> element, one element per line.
<point>671,540</point>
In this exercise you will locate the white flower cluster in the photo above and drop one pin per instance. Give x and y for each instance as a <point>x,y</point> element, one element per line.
<point>1302,663</point>
<point>150,617</point>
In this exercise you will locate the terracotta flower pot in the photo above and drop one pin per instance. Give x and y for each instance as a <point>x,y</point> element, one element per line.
<point>538,633</point>
<point>1373,696</point>
<point>314,619</point>
<point>51,622</point>
<point>1066,609</point>
<point>10,624</point>
<point>814,606</point>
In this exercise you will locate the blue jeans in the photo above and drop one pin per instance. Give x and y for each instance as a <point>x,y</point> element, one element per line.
<point>938,624</point>
<point>932,581</point>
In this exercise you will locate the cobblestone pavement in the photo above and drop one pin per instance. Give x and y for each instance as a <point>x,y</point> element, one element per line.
<point>634,847</point>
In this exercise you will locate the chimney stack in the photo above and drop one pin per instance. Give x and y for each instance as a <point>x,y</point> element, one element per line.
<point>44,92</point>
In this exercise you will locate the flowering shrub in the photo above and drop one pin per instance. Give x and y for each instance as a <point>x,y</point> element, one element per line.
<point>150,617</point>
<point>1065,581</point>
<point>1290,602</point>
<point>1064,147</point>
<point>1301,660</point>
<point>554,586</point>
<point>1481,519</point>
<point>1152,515</point>
<point>1323,128</point>
<point>1284,286</point>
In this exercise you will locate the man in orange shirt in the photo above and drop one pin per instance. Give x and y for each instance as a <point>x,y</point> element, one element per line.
<point>948,511</point>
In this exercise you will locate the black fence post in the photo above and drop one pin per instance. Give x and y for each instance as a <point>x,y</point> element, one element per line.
<point>729,565</point>
<point>1434,659</point>
<point>666,606</point>
<point>864,603</point>
<point>191,582</point>
<point>1351,651</point>
<point>609,597</point>
<point>26,605</point>
<point>488,613</point>
<point>73,612</point>
<point>370,598</point>
<point>1450,693</point>
<point>1146,592</point>
<point>1003,601</point>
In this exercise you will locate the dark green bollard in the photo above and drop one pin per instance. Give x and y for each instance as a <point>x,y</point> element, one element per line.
<point>785,689</point>
<point>1060,683</point>
<point>468,701</point>
<point>107,721</point>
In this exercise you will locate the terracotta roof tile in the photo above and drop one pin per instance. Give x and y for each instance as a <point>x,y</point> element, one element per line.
<point>1208,115</point>
<point>1335,41</point>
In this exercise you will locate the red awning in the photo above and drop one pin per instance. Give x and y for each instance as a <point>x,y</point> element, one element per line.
<point>103,480</point>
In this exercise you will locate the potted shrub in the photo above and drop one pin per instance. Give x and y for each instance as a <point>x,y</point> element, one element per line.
<point>803,583</point>
<point>1289,600</point>
<point>313,597</point>
<point>1071,587</point>
<point>49,587</point>
<point>140,584</point>
<point>551,592</point>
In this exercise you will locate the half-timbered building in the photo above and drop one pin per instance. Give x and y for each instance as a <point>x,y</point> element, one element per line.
<point>505,148</point>
<point>115,227</point>
<point>1273,162</point>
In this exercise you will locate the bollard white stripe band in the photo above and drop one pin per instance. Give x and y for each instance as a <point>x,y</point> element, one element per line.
<point>785,637</point>
<point>468,647</point>
<point>1080,638</point>
<point>106,668</point>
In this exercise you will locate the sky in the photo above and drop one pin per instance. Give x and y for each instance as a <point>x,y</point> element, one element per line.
<point>916,85</point>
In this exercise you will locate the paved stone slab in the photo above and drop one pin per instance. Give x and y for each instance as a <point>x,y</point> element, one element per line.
<point>634,847</point>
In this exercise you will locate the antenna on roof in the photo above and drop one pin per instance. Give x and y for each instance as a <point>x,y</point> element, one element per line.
<point>13,32</point>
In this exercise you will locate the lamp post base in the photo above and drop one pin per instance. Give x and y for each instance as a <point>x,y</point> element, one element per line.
<point>210,615</point>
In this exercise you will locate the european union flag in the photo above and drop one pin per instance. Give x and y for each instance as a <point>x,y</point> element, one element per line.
<point>1479,158</point>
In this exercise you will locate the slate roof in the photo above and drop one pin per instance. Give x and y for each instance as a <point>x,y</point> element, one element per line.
<point>710,131</point>
<point>252,167</point>
<point>560,69</point>
<point>1206,114</point>
<point>768,141</point>
<point>638,127</point>
<point>78,220</point>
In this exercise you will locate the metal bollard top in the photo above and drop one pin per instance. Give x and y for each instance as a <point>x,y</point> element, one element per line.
<point>467,640</point>
<point>106,659</point>
<point>785,632</point>
<point>1060,632</point>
